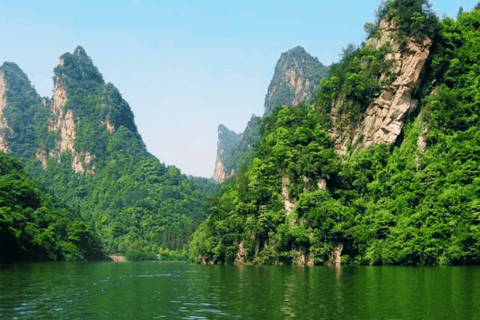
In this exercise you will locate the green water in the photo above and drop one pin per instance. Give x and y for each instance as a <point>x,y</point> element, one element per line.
<point>152,290</point>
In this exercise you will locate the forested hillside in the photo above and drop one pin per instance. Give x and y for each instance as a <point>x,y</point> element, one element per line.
<point>383,168</point>
<point>34,225</point>
<point>83,145</point>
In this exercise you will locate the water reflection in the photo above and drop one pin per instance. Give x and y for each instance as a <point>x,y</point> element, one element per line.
<point>170,291</point>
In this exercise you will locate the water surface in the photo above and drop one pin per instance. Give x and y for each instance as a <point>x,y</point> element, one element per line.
<point>149,290</point>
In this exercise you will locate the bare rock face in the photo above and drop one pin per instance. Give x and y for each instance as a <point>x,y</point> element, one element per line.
<point>4,129</point>
<point>110,126</point>
<point>337,255</point>
<point>385,117</point>
<point>240,259</point>
<point>287,201</point>
<point>227,140</point>
<point>305,260</point>
<point>296,76</point>
<point>322,184</point>
<point>422,139</point>
<point>219,173</point>
<point>42,156</point>
<point>66,124</point>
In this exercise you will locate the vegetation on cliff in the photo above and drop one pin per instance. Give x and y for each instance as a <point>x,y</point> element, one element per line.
<point>414,202</point>
<point>296,76</point>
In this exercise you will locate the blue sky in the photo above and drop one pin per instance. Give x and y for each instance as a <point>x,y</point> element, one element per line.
<point>184,66</point>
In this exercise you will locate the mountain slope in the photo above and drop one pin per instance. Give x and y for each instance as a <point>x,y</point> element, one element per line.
<point>409,197</point>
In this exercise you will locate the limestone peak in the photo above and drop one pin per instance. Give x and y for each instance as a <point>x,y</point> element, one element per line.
<point>296,76</point>
<point>78,66</point>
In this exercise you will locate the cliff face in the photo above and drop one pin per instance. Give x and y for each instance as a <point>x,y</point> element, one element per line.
<point>64,122</point>
<point>227,139</point>
<point>4,129</point>
<point>233,149</point>
<point>384,118</point>
<point>296,76</point>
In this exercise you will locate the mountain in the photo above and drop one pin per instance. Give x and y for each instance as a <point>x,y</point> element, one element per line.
<point>382,168</point>
<point>83,144</point>
<point>227,139</point>
<point>297,75</point>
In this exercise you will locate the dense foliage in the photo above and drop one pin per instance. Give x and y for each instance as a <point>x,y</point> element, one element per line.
<point>384,205</point>
<point>35,226</point>
<point>24,109</point>
<point>412,17</point>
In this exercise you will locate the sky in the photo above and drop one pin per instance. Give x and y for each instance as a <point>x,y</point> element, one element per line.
<point>184,67</point>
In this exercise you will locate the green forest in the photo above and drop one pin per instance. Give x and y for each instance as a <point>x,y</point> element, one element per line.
<point>35,226</point>
<point>383,204</point>
<point>293,199</point>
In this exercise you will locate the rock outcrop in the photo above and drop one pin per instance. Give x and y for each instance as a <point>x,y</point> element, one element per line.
<point>110,127</point>
<point>384,118</point>
<point>227,140</point>
<point>4,129</point>
<point>296,76</point>
<point>65,123</point>
<point>288,203</point>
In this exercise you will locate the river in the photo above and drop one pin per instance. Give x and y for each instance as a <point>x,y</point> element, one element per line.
<point>152,290</point>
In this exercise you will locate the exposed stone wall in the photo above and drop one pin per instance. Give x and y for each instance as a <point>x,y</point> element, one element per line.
<point>42,156</point>
<point>110,127</point>
<point>337,255</point>
<point>240,259</point>
<point>305,260</point>
<point>385,117</point>
<point>422,139</point>
<point>227,140</point>
<point>219,171</point>
<point>66,123</point>
<point>5,130</point>
<point>288,203</point>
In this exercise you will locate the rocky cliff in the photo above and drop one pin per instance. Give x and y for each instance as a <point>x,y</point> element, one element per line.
<point>5,131</point>
<point>296,76</point>
<point>385,117</point>
<point>234,149</point>
<point>227,139</point>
